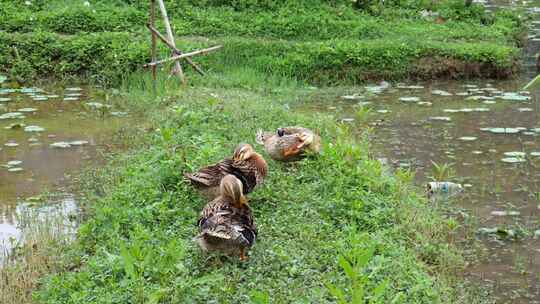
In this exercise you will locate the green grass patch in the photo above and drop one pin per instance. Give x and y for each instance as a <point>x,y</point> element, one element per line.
<point>109,57</point>
<point>324,42</point>
<point>334,225</point>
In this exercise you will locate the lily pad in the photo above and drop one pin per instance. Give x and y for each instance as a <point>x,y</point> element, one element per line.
<point>383,111</point>
<point>411,87</point>
<point>512,160</point>
<point>424,103</point>
<point>489,102</point>
<point>34,129</point>
<point>78,143</point>
<point>73,89</point>
<point>29,90</point>
<point>122,114</point>
<point>515,154</point>
<point>536,153</point>
<point>27,110</point>
<point>14,163</point>
<point>61,145</point>
<point>97,105</point>
<point>4,99</point>
<point>15,126</point>
<point>440,118</point>
<point>11,144</point>
<point>73,95</point>
<point>441,93</point>
<point>16,169</point>
<point>525,109</point>
<point>500,232</point>
<point>40,98</point>
<point>468,138</point>
<point>513,97</point>
<point>505,213</point>
<point>376,89</point>
<point>502,130</point>
<point>12,115</point>
<point>479,98</point>
<point>71,98</point>
<point>409,99</point>
<point>351,97</point>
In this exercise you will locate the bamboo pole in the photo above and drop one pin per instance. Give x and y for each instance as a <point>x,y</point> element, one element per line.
<point>185,55</point>
<point>154,44</point>
<point>177,68</point>
<point>177,51</point>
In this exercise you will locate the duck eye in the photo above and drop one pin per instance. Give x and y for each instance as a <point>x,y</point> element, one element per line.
<point>280,132</point>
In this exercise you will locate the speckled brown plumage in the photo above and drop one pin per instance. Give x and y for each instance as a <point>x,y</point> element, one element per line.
<point>290,143</point>
<point>246,164</point>
<point>226,223</point>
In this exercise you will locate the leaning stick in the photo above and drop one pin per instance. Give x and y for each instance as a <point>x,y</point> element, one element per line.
<point>185,55</point>
<point>154,42</point>
<point>178,68</point>
<point>177,51</point>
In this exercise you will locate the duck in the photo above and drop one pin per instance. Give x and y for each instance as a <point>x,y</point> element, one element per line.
<point>289,143</point>
<point>246,164</point>
<point>226,223</point>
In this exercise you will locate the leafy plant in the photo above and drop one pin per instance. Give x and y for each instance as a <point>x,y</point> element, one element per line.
<point>442,172</point>
<point>354,266</point>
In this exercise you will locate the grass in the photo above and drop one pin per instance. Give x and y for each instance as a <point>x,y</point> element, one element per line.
<point>332,228</point>
<point>39,252</point>
<point>323,42</point>
<point>335,228</point>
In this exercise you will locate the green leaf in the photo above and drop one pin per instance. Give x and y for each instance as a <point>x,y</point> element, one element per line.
<point>363,258</point>
<point>129,262</point>
<point>349,271</point>
<point>260,297</point>
<point>338,293</point>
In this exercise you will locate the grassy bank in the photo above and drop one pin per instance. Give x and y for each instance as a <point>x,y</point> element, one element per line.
<point>324,42</point>
<point>329,226</point>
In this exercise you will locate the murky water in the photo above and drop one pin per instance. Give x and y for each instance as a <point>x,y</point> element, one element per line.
<point>482,134</point>
<point>476,130</point>
<point>45,134</point>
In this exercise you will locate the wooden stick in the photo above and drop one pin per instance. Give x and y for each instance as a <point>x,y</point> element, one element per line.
<point>185,55</point>
<point>177,51</point>
<point>178,68</point>
<point>154,43</point>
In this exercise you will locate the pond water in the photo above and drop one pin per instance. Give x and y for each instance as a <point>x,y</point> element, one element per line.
<point>46,133</point>
<point>488,135</point>
<point>484,135</point>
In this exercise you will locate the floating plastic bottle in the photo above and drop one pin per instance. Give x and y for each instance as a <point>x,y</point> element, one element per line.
<point>446,189</point>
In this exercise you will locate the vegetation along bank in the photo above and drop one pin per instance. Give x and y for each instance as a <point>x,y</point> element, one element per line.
<point>319,41</point>
<point>334,228</point>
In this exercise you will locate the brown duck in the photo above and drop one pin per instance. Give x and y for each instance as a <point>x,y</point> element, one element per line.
<point>226,223</point>
<point>290,143</point>
<point>246,164</point>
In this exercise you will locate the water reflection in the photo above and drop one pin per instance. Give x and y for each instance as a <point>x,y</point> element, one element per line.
<point>472,137</point>
<point>32,123</point>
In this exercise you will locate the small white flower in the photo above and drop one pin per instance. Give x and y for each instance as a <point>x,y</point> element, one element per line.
<point>86,3</point>
<point>27,2</point>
